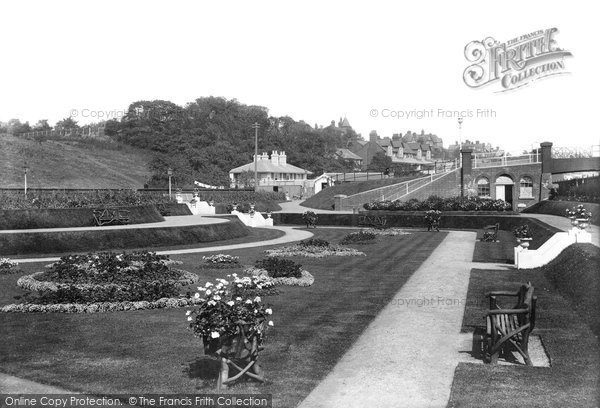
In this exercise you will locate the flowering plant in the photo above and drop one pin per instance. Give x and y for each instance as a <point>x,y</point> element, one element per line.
<point>221,258</point>
<point>6,263</point>
<point>522,232</point>
<point>579,212</point>
<point>310,219</point>
<point>221,311</point>
<point>432,218</point>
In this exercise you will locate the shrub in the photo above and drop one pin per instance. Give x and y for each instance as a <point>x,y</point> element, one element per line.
<point>359,237</point>
<point>6,263</point>
<point>522,232</point>
<point>280,268</point>
<point>441,204</point>
<point>316,242</point>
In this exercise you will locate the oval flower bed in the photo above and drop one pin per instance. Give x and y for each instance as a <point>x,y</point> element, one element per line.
<point>105,282</point>
<point>281,271</point>
<point>305,278</point>
<point>220,261</point>
<point>360,237</point>
<point>314,248</point>
<point>388,232</point>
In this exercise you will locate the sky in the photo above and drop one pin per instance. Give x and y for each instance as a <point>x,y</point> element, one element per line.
<point>373,62</point>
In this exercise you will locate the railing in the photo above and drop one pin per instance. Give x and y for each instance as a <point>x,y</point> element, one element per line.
<point>357,176</point>
<point>392,192</point>
<point>575,152</point>
<point>483,160</point>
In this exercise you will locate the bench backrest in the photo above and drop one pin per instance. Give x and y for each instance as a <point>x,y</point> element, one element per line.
<point>526,300</point>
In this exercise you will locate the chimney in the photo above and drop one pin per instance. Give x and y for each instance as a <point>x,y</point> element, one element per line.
<point>265,156</point>
<point>282,159</point>
<point>373,136</point>
<point>275,157</point>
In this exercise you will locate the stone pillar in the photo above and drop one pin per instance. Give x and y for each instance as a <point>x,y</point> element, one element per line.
<point>337,202</point>
<point>465,170</point>
<point>546,176</point>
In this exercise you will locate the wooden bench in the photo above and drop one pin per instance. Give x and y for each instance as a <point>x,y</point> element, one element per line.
<point>111,216</point>
<point>378,222</point>
<point>490,233</point>
<point>512,326</point>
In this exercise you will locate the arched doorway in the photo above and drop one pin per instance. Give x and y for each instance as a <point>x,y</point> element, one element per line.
<point>504,188</point>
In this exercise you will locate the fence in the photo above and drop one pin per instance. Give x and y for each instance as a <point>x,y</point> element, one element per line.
<point>483,160</point>
<point>575,152</point>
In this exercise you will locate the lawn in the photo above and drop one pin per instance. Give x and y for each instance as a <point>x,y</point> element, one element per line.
<point>567,310</point>
<point>324,199</point>
<point>153,351</point>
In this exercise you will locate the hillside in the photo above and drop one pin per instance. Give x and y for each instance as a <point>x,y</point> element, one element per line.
<point>324,199</point>
<point>71,164</point>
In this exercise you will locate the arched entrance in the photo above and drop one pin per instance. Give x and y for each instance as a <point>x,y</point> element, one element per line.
<point>504,188</point>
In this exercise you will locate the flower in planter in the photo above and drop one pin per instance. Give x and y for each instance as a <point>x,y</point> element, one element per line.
<point>432,218</point>
<point>522,232</point>
<point>217,319</point>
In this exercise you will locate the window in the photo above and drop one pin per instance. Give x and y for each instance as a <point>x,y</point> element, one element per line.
<point>483,187</point>
<point>526,187</point>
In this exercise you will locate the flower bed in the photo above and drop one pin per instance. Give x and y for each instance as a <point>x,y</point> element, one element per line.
<point>310,251</point>
<point>360,237</point>
<point>105,278</point>
<point>471,203</point>
<point>279,267</point>
<point>6,264</point>
<point>305,278</point>
<point>98,307</point>
<point>220,261</point>
<point>388,232</point>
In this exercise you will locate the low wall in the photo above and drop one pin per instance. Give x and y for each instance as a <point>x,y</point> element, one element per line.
<point>415,219</point>
<point>22,243</point>
<point>69,217</point>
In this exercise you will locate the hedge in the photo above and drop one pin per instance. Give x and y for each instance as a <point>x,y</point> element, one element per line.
<point>69,217</point>
<point>415,219</point>
<point>21,243</point>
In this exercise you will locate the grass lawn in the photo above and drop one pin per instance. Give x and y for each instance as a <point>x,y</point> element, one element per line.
<point>574,350</point>
<point>324,198</point>
<point>153,351</point>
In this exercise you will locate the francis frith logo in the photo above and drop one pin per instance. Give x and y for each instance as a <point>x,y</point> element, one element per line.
<point>514,63</point>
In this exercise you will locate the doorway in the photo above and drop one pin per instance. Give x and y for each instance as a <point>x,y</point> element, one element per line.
<point>504,189</point>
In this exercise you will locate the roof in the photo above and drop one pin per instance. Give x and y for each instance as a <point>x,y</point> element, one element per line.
<point>411,160</point>
<point>345,123</point>
<point>266,166</point>
<point>347,154</point>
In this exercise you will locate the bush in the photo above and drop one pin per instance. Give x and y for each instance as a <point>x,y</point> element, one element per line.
<point>441,204</point>
<point>315,242</point>
<point>359,237</point>
<point>280,268</point>
<point>109,267</point>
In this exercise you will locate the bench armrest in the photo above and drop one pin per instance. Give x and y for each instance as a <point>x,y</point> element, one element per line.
<point>506,311</point>
<point>501,293</point>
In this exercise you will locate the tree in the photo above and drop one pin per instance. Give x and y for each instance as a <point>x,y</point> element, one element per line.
<point>380,162</point>
<point>42,125</point>
<point>67,125</point>
<point>245,179</point>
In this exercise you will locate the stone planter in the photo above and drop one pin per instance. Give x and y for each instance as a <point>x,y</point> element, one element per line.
<point>582,223</point>
<point>524,242</point>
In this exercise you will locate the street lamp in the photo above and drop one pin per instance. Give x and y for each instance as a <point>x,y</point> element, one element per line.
<point>169,173</point>
<point>25,168</point>
<point>255,126</point>
<point>460,121</point>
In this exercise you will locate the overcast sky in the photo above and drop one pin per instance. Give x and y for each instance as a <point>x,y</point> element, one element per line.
<point>311,60</point>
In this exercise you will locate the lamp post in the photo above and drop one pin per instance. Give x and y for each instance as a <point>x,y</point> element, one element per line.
<point>25,168</point>
<point>255,126</point>
<point>460,121</point>
<point>169,173</point>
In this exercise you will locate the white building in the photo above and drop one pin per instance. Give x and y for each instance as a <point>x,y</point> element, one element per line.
<point>274,174</point>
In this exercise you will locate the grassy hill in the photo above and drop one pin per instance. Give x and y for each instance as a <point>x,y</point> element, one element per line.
<point>324,199</point>
<point>71,164</point>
